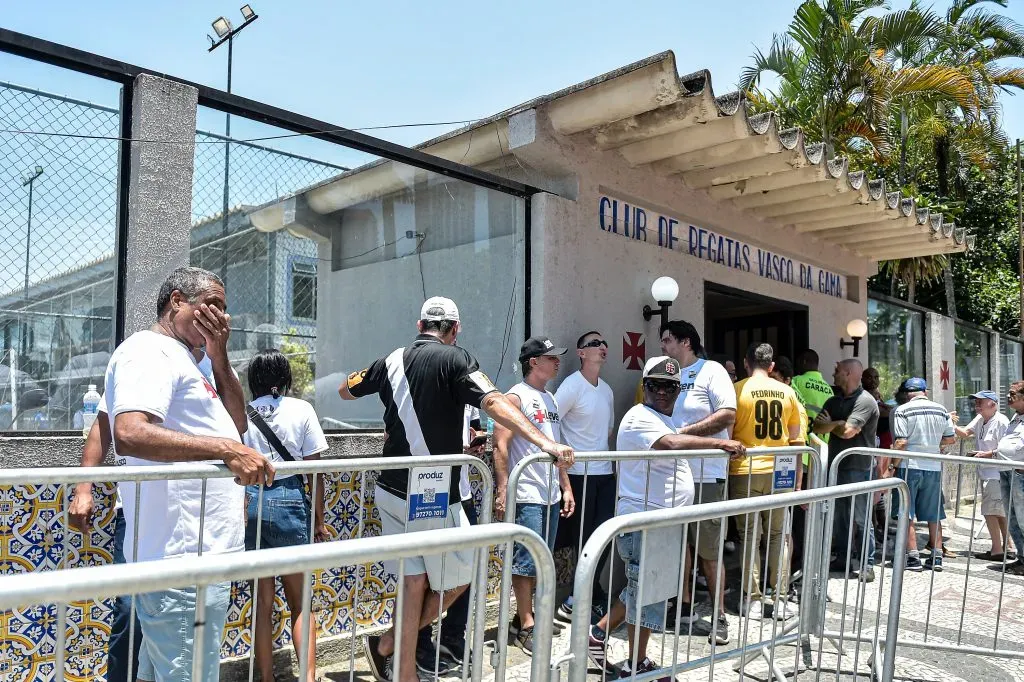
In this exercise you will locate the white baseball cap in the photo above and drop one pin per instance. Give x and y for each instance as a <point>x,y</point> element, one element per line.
<point>439,308</point>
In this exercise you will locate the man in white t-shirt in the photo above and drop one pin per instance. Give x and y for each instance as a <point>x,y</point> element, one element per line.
<point>706,406</point>
<point>586,407</point>
<point>1011,447</point>
<point>164,410</point>
<point>542,493</point>
<point>655,484</point>
<point>988,427</point>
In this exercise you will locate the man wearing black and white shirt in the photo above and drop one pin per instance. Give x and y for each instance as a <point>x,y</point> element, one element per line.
<point>587,411</point>
<point>424,389</point>
<point>706,406</point>
<point>164,410</point>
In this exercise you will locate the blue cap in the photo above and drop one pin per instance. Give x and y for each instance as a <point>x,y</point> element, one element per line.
<point>913,385</point>
<point>987,395</point>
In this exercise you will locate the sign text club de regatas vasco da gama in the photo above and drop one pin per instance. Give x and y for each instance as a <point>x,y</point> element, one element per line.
<point>636,222</point>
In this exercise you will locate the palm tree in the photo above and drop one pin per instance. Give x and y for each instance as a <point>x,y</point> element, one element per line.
<point>974,41</point>
<point>840,70</point>
<point>911,271</point>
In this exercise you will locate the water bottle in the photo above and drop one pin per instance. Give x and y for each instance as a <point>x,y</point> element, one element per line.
<point>90,406</point>
<point>490,427</point>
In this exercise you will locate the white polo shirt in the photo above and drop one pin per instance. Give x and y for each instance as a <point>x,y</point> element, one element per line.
<point>157,375</point>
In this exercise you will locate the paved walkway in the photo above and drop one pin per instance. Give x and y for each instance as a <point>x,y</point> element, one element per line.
<point>964,608</point>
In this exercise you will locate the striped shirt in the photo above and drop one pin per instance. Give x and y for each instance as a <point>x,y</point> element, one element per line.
<point>923,424</point>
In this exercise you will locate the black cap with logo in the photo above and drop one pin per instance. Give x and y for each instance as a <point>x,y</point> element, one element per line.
<point>536,346</point>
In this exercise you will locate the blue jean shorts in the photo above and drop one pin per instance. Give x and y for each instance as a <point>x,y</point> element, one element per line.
<point>537,518</point>
<point>167,618</point>
<point>925,495</point>
<point>285,519</point>
<point>652,616</point>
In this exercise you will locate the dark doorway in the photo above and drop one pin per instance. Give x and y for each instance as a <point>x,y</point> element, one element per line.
<point>733,319</point>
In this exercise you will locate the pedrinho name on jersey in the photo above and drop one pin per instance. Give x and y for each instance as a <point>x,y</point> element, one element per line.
<point>616,216</point>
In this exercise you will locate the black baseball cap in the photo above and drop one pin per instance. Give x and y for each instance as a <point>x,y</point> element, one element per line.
<point>536,346</point>
<point>662,367</point>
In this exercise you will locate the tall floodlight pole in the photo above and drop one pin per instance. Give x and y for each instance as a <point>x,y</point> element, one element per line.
<point>226,34</point>
<point>1020,235</point>
<point>29,181</point>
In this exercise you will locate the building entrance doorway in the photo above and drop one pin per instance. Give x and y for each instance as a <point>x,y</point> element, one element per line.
<point>733,319</point>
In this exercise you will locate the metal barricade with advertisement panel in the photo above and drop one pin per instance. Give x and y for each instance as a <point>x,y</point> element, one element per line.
<point>784,475</point>
<point>653,570</point>
<point>962,630</point>
<point>71,476</point>
<point>84,584</point>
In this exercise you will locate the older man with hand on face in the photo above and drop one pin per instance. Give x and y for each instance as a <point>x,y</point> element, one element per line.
<point>163,409</point>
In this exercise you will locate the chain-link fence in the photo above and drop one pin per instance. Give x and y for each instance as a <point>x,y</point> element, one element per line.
<point>58,213</point>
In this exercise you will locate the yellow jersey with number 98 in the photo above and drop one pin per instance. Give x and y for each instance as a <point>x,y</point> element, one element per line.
<point>766,411</point>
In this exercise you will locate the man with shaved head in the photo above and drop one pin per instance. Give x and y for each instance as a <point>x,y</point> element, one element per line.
<point>851,417</point>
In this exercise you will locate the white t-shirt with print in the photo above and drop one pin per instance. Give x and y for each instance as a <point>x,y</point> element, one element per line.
<point>706,388</point>
<point>587,416</point>
<point>156,374</point>
<point>987,436</point>
<point>538,483</point>
<point>294,422</point>
<point>650,484</point>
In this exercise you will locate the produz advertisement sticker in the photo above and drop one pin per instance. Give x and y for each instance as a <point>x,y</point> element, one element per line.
<point>428,492</point>
<point>785,472</point>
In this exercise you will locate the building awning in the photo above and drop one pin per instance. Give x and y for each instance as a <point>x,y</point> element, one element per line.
<point>677,128</point>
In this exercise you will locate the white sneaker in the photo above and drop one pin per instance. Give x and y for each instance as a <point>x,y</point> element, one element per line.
<point>782,611</point>
<point>754,609</point>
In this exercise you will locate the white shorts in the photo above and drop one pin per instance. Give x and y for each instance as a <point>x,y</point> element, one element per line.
<point>444,571</point>
<point>992,498</point>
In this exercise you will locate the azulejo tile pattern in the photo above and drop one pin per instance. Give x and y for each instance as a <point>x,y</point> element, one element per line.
<point>33,538</point>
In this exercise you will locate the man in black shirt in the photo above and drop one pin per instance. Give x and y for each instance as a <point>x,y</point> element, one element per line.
<point>424,388</point>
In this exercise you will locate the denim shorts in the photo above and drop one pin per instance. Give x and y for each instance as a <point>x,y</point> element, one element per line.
<point>167,618</point>
<point>285,521</point>
<point>925,495</point>
<point>652,616</point>
<point>537,518</point>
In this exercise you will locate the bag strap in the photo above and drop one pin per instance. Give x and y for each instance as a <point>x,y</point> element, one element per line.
<point>257,419</point>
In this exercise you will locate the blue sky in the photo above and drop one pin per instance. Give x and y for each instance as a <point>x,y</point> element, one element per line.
<point>383,63</point>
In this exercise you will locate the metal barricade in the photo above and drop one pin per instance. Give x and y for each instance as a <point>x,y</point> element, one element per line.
<point>204,472</point>
<point>67,586</point>
<point>975,632</point>
<point>650,522</point>
<point>815,478</point>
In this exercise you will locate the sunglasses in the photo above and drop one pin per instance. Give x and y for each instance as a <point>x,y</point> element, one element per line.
<point>660,386</point>
<point>596,343</point>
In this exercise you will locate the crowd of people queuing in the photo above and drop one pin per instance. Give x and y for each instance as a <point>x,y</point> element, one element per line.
<point>170,395</point>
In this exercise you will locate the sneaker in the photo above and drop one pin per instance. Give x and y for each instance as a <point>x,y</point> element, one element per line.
<point>380,665</point>
<point>427,659</point>
<point>1016,568</point>
<point>564,612</point>
<point>597,612</point>
<point>454,649</point>
<point>646,666</point>
<point>524,639</point>
<point>784,611</point>
<point>754,609</point>
<point>934,562</point>
<point>595,651</point>
<point>687,613</point>
<point>914,564</point>
<point>867,575</point>
<point>721,632</point>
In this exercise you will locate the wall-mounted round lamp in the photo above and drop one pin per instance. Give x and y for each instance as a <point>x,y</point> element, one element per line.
<point>857,330</point>
<point>664,290</point>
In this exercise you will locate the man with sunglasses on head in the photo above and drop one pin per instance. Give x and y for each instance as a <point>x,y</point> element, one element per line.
<point>655,484</point>
<point>586,406</point>
<point>705,406</point>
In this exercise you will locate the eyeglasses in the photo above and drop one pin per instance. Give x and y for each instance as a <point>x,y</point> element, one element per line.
<point>661,386</point>
<point>596,343</point>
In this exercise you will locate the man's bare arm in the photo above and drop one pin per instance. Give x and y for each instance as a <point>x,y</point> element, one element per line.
<point>506,414</point>
<point>135,434</point>
<point>96,445</point>
<point>720,420</point>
